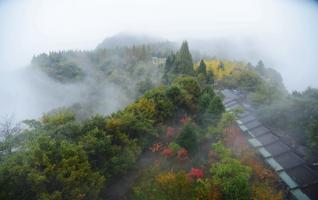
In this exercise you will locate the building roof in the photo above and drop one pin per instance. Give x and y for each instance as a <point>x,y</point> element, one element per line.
<point>243,114</point>
<point>287,179</point>
<point>303,175</point>
<point>311,191</point>
<point>289,160</point>
<point>254,142</point>
<point>275,165</point>
<point>252,124</point>
<point>264,152</point>
<point>267,138</point>
<point>259,131</point>
<point>298,194</point>
<point>277,148</point>
<point>233,107</point>
<point>231,103</point>
<point>247,118</point>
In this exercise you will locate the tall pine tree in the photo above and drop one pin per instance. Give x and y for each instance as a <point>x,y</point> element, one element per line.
<point>202,68</point>
<point>184,63</point>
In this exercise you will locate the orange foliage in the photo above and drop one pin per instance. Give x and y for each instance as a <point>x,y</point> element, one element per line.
<point>215,193</point>
<point>235,140</point>
<point>265,192</point>
<point>182,154</point>
<point>167,152</point>
<point>260,171</point>
<point>156,147</point>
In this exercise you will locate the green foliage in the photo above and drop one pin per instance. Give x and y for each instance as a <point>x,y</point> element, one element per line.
<point>204,101</point>
<point>144,86</point>
<point>265,94</point>
<point>216,131</point>
<point>188,137</point>
<point>174,147</point>
<point>61,168</point>
<point>50,169</point>
<point>206,98</point>
<point>165,186</point>
<point>231,175</point>
<point>189,84</point>
<point>243,79</point>
<point>312,133</point>
<point>216,106</point>
<point>164,108</point>
<point>59,118</point>
<point>128,123</point>
<point>178,64</point>
<point>184,63</point>
<point>210,77</point>
<point>202,68</point>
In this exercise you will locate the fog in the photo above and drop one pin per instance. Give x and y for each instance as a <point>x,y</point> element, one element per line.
<point>27,94</point>
<point>283,33</point>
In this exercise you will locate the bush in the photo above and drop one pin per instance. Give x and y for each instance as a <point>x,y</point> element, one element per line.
<point>230,175</point>
<point>188,137</point>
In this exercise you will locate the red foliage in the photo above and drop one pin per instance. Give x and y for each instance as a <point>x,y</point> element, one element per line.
<point>196,173</point>
<point>184,120</point>
<point>170,132</point>
<point>182,154</point>
<point>167,152</point>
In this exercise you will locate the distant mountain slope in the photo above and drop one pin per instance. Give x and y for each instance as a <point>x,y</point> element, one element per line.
<point>129,40</point>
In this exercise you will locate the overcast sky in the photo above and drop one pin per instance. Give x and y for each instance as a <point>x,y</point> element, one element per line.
<point>284,31</point>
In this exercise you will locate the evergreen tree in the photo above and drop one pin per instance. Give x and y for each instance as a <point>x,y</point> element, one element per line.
<point>170,62</point>
<point>169,68</point>
<point>202,68</point>
<point>188,138</point>
<point>216,106</point>
<point>184,63</point>
<point>210,77</point>
<point>260,68</point>
<point>221,66</point>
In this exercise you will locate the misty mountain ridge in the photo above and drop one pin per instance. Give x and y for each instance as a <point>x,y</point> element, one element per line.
<point>131,39</point>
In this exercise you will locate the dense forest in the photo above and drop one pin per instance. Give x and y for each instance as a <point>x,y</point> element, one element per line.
<point>175,120</point>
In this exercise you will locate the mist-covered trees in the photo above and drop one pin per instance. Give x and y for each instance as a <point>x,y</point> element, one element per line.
<point>179,63</point>
<point>296,114</point>
<point>130,70</point>
<point>202,68</point>
<point>184,63</point>
<point>59,67</point>
<point>61,157</point>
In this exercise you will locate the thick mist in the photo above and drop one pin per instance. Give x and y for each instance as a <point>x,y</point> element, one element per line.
<point>283,33</point>
<point>28,93</point>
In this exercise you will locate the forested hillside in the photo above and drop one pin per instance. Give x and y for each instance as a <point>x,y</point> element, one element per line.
<point>176,121</point>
